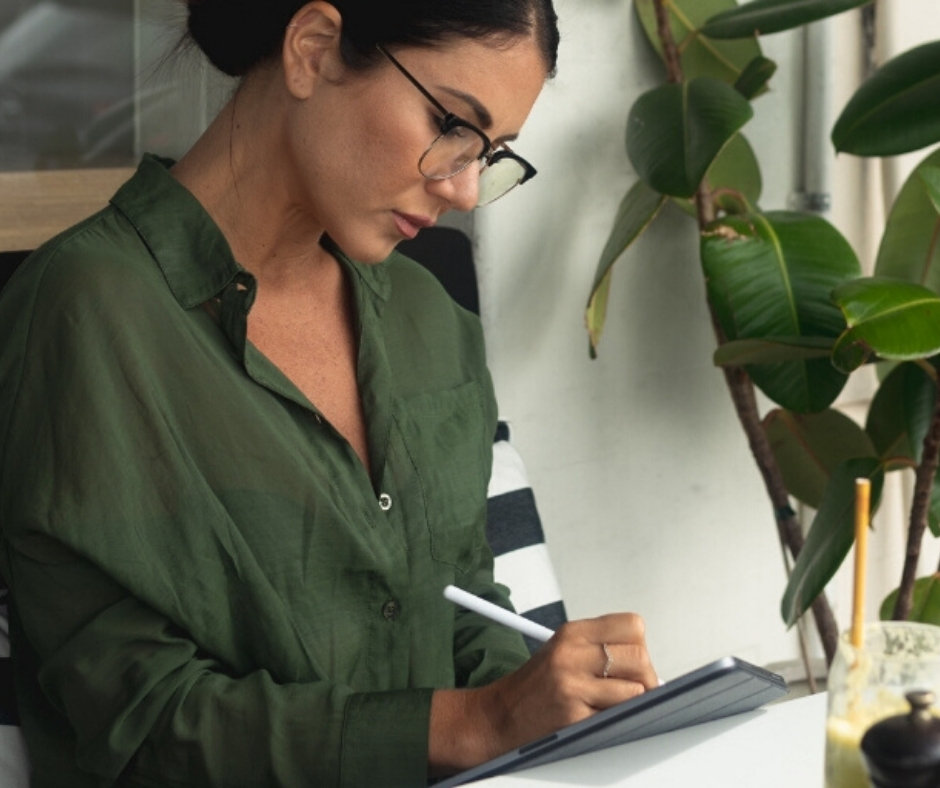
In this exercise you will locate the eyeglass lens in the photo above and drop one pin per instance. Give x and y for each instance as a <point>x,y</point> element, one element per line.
<point>452,152</point>
<point>498,178</point>
<point>460,147</point>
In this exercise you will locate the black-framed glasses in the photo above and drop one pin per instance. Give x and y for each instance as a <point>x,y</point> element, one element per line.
<point>460,144</point>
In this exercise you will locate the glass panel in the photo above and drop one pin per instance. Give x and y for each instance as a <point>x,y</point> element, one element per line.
<point>178,92</point>
<point>65,82</point>
<point>89,84</point>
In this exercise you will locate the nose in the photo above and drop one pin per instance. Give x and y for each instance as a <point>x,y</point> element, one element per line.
<point>462,190</point>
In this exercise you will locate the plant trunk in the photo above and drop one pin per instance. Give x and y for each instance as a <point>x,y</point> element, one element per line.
<point>788,526</point>
<point>923,485</point>
<point>742,391</point>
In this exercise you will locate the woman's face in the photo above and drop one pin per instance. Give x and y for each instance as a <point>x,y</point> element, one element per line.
<point>356,141</point>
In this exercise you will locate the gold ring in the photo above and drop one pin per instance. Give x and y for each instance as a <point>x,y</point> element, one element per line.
<point>610,661</point>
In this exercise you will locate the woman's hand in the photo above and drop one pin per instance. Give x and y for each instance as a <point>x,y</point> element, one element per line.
<point>563,683</point>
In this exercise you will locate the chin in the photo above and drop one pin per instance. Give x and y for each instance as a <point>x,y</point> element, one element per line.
<point>369,252</point>
<point>376,258</point>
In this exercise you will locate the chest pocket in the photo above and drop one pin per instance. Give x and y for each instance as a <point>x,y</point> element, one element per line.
<point>443,435</point>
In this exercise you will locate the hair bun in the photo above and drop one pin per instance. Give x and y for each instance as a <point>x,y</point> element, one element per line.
<point>237,34</point>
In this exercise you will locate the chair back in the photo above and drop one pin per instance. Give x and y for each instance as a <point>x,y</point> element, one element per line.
<point>14,764</point>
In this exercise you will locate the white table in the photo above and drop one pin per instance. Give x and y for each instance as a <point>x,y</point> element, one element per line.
<point>781,746</point>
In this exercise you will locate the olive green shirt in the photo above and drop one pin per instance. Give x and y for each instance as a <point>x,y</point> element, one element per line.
<point>208,588</point>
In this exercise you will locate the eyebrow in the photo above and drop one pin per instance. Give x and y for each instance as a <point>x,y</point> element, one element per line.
<point>483,116</point>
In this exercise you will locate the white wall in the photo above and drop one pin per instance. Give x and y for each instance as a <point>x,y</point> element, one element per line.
<point>649,496</point>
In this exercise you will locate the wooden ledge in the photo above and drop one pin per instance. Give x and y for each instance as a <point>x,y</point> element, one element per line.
<point>34,206</point>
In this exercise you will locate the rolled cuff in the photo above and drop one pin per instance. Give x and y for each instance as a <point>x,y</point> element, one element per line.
<point>385,739</point>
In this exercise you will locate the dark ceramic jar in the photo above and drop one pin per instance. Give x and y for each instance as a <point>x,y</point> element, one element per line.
<point>904,751</point>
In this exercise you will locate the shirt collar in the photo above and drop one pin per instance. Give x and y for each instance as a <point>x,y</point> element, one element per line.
<point>373,275</point>
<point>189,247</point>
<point>191,251</point>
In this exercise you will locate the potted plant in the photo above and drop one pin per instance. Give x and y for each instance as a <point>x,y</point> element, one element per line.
<point>792,314</point>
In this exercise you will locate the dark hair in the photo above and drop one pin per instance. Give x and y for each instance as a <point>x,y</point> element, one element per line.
<point>237,35</point>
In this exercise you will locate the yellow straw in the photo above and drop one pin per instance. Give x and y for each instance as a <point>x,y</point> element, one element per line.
<point>862,501</point>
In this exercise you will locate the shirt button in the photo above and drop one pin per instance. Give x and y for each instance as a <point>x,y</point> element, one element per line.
<point>385,502</point>
<point>390,610</point>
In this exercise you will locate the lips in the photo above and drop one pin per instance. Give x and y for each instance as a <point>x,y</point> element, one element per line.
<point>409,224</point>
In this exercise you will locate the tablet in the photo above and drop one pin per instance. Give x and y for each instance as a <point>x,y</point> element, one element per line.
<point>720,689</point>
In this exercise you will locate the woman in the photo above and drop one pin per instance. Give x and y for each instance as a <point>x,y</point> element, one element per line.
<point>239,468</point>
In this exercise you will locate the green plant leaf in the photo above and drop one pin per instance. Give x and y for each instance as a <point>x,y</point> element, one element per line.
<point>886,318</point>
<point>674,132</point>
<point>896,109</point>
<point>699,56</point>
<point>910,246</point>
<point>899,415</point>
<point>926,606</point>
<point>771,350</point>
<point>931,178</point>
<point>769,276</point>
<point>762,17</point>
<point>809,447</point>
<point>753,80</point>
<point>830,537</point>
<point>734,179</point>
<point>637,210</point>
<point>898,420</point>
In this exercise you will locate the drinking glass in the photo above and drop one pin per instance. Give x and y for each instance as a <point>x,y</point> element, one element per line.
<point>868,684</point>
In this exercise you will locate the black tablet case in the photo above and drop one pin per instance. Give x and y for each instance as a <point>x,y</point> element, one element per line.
<point>720,689</point>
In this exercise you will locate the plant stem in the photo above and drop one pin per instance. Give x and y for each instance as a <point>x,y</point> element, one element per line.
<point>741,389</point>
<point>788,526</point>
<point>670,51</point>
<point>923,484</point>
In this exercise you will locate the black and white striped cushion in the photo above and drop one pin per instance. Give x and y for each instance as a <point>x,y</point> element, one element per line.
<point>514,530</point>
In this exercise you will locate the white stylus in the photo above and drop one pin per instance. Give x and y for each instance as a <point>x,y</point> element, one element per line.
<point>496,613</point>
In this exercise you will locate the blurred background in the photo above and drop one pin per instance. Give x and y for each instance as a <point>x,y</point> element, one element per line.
<point>88,83</point>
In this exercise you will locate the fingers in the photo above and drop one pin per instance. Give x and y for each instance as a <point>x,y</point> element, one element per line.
<point>614,628</point>
<point>603,694</point>
<point>564,681</point>
<point>612,647</point>
<point>629,663</point>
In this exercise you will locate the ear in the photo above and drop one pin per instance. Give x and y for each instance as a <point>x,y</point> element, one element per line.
<point>311,49</point>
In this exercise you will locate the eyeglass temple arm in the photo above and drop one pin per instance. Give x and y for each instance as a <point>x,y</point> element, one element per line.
<point>437,105</point>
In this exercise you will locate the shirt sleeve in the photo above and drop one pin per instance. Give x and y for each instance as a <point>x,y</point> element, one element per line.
<point>147,706</point>
<point>484,650</point>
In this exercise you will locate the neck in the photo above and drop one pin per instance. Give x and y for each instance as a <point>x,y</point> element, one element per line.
<point>240,171</point>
